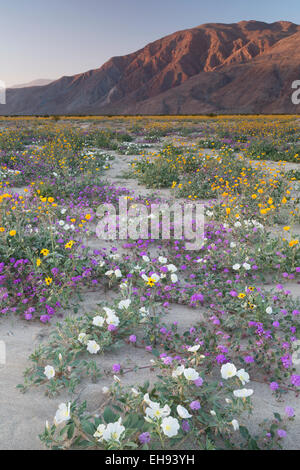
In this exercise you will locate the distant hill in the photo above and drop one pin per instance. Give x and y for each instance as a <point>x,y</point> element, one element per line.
<point>38,82</point>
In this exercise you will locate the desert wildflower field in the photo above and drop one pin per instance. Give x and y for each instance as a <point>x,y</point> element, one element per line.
<point>141,343</point>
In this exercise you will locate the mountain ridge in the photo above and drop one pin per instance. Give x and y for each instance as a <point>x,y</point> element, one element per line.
<point>208,68</point>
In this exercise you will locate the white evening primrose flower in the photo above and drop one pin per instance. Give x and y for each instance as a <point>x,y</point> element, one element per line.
<point>113,431</point>
<point>236,266</point>
<point>109,311</point>
<point>183,412</point>
<point>62,414</point>
<point>228,370</point>
<point>144,311</point>
<point>49,372</point>
<point>99,432</point>
<point>213,413</point>
<point>235,424</point>
<point>162,260</point>
<point>190,374</point>
<point>269,310</point>
<point>98,320</point>
<point>177,372</point>
<point>81,337</point>
<point>146,258</point>
<point>124,304</point>
<point>172,268</point>
<point>112,320</point>
<point>109,273</point>
<point>246,266</point>
<point>118,273</point>
<point>243,376</point>
<point>243,393</point>
<point>147,399</point>
<point>174,278</point>
<point>194,348</point>
<point>170,426</point>
<point>116,379</point>
<point>154,410</point>
<point>92,347</point>
<point>114,256</point>
<point>296,352</point>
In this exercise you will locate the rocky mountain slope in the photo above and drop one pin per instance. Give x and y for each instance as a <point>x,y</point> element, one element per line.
<point>245,67</point>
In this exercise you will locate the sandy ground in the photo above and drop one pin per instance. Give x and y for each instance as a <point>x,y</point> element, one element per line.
<point>23,416</point>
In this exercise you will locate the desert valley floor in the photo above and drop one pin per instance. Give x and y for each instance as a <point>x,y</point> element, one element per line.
<point>101,334</point>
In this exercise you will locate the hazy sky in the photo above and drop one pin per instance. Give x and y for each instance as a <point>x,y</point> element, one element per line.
<point>51,38</point>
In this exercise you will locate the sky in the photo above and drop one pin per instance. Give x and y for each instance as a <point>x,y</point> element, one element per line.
<point>52,38</point>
